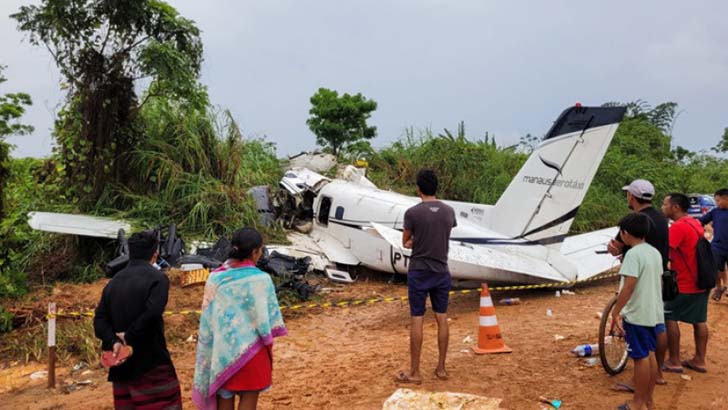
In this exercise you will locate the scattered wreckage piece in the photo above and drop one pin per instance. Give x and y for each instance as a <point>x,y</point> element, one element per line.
<point>263,205</point>
<point>193,274</point>
<point>287,265</point>
<point>171,249</point>
<point>317,162</point>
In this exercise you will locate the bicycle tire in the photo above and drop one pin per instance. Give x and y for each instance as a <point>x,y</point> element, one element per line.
<point>611,366</point>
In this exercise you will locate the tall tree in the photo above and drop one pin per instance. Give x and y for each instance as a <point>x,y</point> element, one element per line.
<point>340,121</point>
<point>12,107</point>
<point>723,143</point>
<point>103,48</point>
<point>662,116</point>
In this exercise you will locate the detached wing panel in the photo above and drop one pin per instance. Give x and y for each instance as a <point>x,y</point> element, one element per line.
<point>73,224</point>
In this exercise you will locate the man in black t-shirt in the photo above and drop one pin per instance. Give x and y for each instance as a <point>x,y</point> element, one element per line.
<point>427,228</point>
<point>639,199</point>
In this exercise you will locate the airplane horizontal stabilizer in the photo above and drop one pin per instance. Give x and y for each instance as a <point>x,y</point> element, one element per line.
<point>588,252</point>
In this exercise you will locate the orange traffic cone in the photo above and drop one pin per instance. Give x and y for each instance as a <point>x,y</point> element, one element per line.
<point>490,339</point>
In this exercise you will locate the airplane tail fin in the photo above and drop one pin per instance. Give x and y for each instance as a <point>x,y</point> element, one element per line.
<point>542,200</point>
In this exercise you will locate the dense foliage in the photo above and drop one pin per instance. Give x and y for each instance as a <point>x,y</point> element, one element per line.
<point>103,49</point>
<point>12,107</point>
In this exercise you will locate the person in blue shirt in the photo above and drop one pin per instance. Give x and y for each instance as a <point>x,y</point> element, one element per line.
<point>718,216</point>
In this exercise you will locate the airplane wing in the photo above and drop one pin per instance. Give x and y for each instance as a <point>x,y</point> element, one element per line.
<point>485,263</point>
<point>588,252</point>
<point>84,225</point>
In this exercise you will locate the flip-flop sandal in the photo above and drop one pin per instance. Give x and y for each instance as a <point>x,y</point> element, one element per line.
<point>686,363</point>
<point>439,377</point>
<point>625,406</point>
<point>623,387</point>
<point>668,369</point>
<point>404,378</point>
<point>718,293</point>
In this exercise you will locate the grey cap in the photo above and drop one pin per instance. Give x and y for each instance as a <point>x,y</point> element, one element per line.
<point>641,188</point>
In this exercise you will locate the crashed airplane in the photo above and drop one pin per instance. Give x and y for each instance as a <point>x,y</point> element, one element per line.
<point>521,239</point>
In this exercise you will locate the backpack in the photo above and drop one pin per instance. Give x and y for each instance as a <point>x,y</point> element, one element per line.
<point>669,285</point>
<point>707,269</point>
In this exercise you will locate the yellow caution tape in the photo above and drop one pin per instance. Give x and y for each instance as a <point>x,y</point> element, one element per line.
<point>389,299</point>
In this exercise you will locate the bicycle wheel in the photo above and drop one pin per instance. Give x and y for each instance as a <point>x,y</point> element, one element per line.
<point>612,346</point>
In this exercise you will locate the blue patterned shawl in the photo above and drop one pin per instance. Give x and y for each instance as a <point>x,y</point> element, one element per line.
<point>240,316</point>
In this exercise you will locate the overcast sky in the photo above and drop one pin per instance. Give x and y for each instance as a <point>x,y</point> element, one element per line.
<point>507,67</point>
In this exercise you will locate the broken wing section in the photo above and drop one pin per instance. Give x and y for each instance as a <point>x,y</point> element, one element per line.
<point>83,225</point>
<point>588,252</point>
<point>334,250</point>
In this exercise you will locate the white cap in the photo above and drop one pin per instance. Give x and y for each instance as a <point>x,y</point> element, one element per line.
<point>641,188</point>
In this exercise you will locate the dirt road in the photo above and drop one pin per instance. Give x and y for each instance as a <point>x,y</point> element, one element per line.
<point>347,358</point>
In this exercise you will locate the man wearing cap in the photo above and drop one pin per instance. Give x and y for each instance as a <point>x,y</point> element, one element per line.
<point>639,199</point>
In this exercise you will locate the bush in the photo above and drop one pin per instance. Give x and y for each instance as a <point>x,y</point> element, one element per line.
<point>194,169</point>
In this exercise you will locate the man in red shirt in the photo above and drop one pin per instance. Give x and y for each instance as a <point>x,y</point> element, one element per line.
<point>691,304</point>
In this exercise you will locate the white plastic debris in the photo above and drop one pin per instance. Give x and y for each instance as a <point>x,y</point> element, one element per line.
<point>557,294</point>
<point>79,366</point>
<point>549,312</point>
<point>468,340</point>
<point>568,292</point>
<point>406,399</point>
<point>41,374</point>
<point>558,338</point>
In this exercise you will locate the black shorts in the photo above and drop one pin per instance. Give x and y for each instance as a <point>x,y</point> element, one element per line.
<point>422,283</point>
<point>721,259</point>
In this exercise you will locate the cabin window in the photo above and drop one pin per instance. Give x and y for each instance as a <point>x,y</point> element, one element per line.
<point>339,212</point>
<point>324,209</point>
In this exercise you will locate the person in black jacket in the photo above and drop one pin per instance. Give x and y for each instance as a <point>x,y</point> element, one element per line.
<point>130,313</point>
<point>640,194</point>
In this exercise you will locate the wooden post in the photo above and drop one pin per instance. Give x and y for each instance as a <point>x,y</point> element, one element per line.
<point>51,345</point>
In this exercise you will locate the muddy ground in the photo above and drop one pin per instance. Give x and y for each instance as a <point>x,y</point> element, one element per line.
<point>347,357</point>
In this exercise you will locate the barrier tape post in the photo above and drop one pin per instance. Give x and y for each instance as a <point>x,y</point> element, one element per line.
<point>51,345</point>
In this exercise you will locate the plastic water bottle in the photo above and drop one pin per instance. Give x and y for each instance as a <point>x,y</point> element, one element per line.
<point>510,301</point>
<point>585,350</point>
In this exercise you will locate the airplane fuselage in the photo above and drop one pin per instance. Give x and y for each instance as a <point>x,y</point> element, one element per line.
<point>344,213</point>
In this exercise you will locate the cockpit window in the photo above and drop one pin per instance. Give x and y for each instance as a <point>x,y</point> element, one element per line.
<point>339,212</point>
